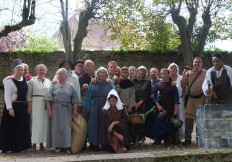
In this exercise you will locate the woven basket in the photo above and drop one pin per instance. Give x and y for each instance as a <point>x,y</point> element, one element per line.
<point>135,119</point>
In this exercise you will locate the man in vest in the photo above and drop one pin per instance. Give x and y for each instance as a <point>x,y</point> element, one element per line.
<point>218,82</point>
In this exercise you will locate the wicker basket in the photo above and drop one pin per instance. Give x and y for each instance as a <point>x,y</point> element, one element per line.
<point>135,119</point>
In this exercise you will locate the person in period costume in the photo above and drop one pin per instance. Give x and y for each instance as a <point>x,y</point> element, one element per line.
<point>15,127</point>
<point>88,72</point>
<point>71,77</point>
<point>94,101</point>
<point>61,103</point>
<point>167,98</point>
<point>219,80</point>
<point>116,122</point>
<point>26,73</point>
<point>193,79</point>
<point>142,101</point>
<point>85,80</point>
<point>79,67</point>
<point>37,89</point>
<point>112,68</point>
<point>126,92</point>
<point>118,71</point>
<point>86,77</point>
<point>154,77</point>
<point>132,72</point>
<point>176,78</point>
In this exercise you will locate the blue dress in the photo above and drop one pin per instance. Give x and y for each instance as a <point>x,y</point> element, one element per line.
<point>94,101</point>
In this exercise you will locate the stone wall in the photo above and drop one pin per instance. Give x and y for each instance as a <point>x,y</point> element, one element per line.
<point>214,126</point>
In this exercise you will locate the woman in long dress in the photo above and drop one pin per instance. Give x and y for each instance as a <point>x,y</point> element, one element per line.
<point>15,127</point>
<point>94,101</point>
<point>37,89</point>
<point>61,102</point>
<point>142,101</point>
<point>174,74</point>
<point>167,99</point>
<point>116,122</point>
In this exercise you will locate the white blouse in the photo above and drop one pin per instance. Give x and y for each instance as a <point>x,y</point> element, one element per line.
<point>218,74</point>
<point>10,92</point>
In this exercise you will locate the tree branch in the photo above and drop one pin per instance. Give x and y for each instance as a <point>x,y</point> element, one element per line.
<point>28,18</point>
<point>192,8</point>
<point>204,30</point>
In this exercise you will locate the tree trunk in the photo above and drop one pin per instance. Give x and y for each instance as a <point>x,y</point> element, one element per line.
<point>84,18</point>
<point>66,36</point>
<point>185,38</point>
<point>65,31</point>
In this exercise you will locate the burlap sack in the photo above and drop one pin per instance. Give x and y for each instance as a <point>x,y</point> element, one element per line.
<point>79,132</point>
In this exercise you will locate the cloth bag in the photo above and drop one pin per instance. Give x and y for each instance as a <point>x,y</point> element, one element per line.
<point>79,133</point>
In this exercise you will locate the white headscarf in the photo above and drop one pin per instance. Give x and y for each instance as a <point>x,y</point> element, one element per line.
<point>118,103</point>
<point>101,68</point>
<point>177,67</point>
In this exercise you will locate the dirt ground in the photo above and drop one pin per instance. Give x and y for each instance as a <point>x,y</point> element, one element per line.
<point>147,147</point>
<point>141,148</point>
<point>158,151</point>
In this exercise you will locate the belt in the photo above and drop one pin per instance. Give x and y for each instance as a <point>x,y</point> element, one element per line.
<point>198,96</point>
<point>62,102</point>
<point>37,96</point>
<point>20,101</point>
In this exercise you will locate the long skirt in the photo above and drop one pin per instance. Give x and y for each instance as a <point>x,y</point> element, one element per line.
<point>163,128</point>
<point>15,131</point>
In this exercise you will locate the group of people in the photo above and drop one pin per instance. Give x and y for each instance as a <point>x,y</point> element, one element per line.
<point>107,98</point>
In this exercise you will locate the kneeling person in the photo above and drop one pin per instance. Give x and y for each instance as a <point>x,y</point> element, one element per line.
<point>116,122</point>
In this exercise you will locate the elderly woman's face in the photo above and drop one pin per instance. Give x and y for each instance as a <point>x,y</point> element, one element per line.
<point>41,71</point>
<point>142,73</point>
<point>102,74</point>
<point>18,71</point>
<point>61,76</point>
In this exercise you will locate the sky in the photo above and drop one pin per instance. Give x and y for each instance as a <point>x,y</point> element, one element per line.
<point>225,45</point>
<point>48,16</point>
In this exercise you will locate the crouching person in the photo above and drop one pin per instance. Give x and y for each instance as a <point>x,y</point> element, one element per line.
<point>116,122</point>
